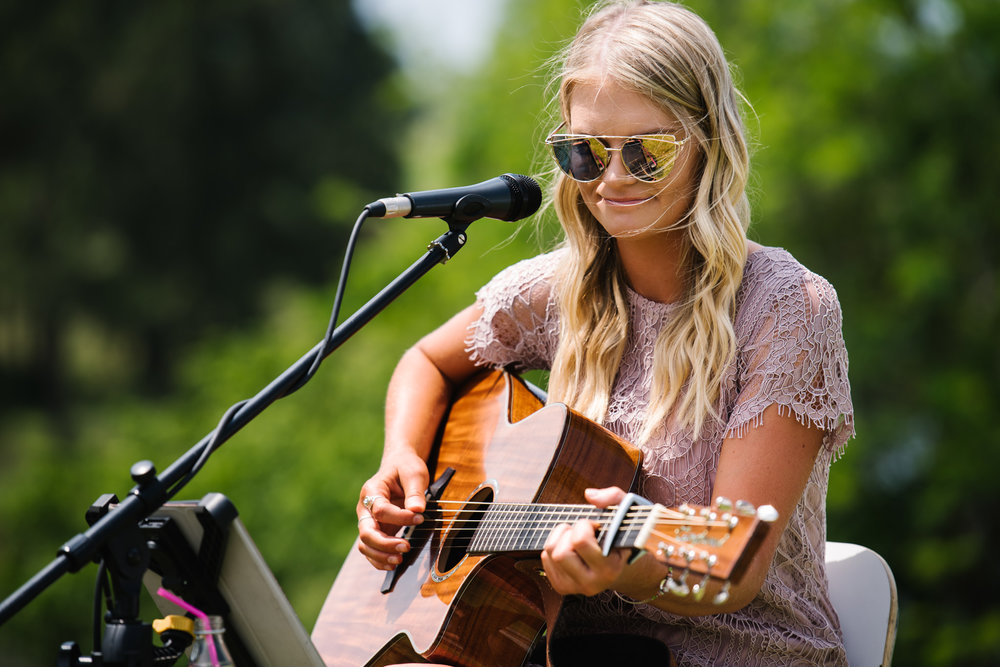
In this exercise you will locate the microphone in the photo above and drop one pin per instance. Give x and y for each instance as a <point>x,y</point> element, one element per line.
<point>508,197</point>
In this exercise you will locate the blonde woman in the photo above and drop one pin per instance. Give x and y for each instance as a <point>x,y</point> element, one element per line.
<point>723,360</point>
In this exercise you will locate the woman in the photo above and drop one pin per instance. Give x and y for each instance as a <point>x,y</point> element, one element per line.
<point>722,359</point>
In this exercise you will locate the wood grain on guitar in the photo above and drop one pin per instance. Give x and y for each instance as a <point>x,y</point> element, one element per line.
<point>469,590</point>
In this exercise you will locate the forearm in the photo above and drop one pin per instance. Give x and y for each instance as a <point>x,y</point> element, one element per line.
<point>640,582</point>
<point>769,465</point>
<point>422,385</point>
<point>416,400</point>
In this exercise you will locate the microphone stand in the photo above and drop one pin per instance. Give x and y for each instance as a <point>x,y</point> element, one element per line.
<point>113,534</point>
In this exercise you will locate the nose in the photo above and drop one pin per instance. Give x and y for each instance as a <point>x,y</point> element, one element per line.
<point>616,169</point>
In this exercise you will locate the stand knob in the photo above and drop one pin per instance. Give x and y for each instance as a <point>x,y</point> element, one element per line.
<point>143,473</point>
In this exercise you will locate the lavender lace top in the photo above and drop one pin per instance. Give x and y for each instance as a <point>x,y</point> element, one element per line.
<point>791,353</point>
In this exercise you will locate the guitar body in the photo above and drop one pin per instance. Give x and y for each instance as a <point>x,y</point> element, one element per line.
<point>451,607</point>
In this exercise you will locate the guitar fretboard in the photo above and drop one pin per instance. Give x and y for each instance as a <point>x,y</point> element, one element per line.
<point>517,527</point>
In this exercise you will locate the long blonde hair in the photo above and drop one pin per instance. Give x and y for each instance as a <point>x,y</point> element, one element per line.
<point>669,54</point>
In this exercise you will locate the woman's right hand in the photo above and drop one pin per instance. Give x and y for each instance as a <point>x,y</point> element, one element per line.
<point>396,499</point>
<point>419,394</point>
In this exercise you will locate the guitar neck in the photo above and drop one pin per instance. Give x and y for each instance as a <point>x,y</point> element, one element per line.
<point>713,541</point>
<point>523,528</point>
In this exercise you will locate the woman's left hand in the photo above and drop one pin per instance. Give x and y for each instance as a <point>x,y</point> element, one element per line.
<point>572,558</point>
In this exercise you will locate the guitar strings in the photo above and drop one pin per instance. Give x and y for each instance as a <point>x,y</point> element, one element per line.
<point>499,536</point>
<point>523,509</point>
<point>516,527</point>
<point>506,515</point>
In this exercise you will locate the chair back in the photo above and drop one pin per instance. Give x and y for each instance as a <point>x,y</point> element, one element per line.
<point>863,592</point>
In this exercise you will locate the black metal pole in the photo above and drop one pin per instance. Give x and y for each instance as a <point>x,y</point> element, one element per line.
<point>149,495</point>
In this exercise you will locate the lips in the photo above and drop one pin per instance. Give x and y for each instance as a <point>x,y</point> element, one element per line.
<point>625,202</point>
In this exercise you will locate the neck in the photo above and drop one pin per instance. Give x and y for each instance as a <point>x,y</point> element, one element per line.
<point>523,528</point>
<point>654,265</point>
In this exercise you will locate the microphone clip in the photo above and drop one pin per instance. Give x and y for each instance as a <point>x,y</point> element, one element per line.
<point>468,209</point>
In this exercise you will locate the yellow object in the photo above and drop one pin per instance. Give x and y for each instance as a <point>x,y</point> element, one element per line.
<point>174,622</point>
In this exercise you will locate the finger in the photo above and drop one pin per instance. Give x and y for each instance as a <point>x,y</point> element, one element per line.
<point>415,483</point>
<point>583,536</point>
<point>565,572</point>
<point>605,497</point>
<point>375,501</point>
<point>596,567</point>
<point>555,535</point>
<point>382,560</point>
<point>560,552</point>
<point>378,546</point>
<point>575,563</point>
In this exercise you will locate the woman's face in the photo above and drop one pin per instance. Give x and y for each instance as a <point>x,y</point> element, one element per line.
<point>625,206</point>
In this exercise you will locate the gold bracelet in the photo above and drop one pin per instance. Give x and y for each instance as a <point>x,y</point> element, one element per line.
<point>660,590</point>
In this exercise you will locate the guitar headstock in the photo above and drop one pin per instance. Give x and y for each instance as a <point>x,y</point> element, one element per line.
<point>711,542</point>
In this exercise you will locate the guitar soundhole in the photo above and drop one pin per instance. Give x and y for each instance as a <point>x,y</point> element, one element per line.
<point>455,547</point>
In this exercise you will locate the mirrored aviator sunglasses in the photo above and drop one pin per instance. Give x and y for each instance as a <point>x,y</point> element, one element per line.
<point>648,157</point>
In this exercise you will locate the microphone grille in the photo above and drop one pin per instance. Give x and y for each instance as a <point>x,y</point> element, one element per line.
<point>526,196</point>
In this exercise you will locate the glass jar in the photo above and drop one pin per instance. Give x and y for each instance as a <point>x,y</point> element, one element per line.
<point>209,649</point>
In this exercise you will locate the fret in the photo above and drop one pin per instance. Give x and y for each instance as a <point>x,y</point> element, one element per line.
<point>481,532</point>
<point>629,533</point>
<point>526,534</point>
<point>486,533</point>
<point>508,530</point>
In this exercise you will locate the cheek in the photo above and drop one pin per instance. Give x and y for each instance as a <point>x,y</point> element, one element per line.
<point>588,192</point>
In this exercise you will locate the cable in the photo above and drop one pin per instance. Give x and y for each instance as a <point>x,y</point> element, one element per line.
<point>338,299</point>
<point>223,427</point>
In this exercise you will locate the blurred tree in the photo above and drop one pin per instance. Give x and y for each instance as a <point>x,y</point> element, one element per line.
<point>161,165</point>
<point>877,123</point>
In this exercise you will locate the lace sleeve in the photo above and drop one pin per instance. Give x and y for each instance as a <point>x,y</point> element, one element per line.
<point>518,328</point>
<point>792,353</point>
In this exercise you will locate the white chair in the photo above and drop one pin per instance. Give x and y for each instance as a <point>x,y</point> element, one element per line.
<point>863,591</point>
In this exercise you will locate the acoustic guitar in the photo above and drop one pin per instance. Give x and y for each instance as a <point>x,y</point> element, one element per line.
<point>471,590</point>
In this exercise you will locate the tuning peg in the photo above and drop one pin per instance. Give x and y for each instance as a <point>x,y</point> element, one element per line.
<point>722,596</point>
<point>698,590</point>
<point>665,551</point>
<point>767,513</point>
<point>723,504</point>
<point>744,508</point>
<point>680,587</point>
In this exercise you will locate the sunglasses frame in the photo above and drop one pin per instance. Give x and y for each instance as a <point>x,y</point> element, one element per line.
<point>555,137</point>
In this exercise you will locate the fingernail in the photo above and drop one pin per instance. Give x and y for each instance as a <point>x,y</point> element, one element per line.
<point>402,548</point>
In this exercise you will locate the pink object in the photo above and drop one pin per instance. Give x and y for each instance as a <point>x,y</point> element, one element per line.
<point>202,616</point>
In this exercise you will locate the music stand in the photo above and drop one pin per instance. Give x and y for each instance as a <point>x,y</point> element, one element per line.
<point>261,625</point>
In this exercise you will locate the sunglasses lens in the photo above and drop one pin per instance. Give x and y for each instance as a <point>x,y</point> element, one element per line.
<point>649,159</point>
<point>582,158</point>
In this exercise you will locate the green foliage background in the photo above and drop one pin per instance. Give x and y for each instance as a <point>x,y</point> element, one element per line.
<point>876,131</point>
